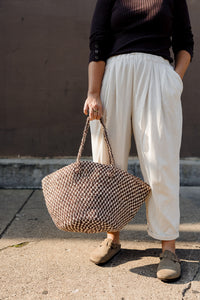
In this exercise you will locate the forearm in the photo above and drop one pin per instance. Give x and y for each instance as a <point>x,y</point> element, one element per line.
<point>93,104</point>
<point>182,62</point>
<point>95,77</point>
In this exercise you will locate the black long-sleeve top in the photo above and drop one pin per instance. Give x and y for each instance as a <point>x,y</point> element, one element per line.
<point>150,26</point>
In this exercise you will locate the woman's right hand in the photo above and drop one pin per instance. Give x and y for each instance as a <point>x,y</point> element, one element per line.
<point>94,105</point>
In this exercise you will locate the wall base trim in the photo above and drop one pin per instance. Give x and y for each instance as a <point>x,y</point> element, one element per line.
<point>26,173</point>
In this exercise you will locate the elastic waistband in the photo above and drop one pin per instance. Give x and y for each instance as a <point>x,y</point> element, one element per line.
<point>138,55</point>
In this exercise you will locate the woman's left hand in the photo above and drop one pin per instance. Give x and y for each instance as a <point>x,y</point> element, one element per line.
<point>179,74</point>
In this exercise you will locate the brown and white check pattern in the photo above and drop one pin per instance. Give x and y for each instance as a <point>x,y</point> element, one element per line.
<point>91,197</point>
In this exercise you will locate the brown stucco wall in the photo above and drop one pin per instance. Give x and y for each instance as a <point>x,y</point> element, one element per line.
<point>43,78</point>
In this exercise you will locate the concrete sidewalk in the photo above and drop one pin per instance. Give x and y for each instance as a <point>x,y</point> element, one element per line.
<point>37,261</point>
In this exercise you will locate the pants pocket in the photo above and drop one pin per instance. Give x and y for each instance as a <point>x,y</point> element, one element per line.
<point>177,78</point>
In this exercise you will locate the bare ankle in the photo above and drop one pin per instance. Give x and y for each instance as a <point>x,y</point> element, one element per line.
<point>169,245</point>
<point>114,236</point>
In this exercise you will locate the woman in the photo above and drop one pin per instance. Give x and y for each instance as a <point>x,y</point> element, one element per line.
<point>132,85</point>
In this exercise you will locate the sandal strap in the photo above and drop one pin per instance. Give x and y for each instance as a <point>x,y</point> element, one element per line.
<point>170,255</point>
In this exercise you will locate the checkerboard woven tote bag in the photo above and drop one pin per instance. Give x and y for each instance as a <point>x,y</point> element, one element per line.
<point>90,197</point>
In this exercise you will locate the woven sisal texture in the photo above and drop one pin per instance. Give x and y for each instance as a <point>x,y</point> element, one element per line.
<point>91,197</point>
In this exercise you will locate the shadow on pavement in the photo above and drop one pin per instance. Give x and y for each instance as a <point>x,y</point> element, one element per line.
<point>189,260</point>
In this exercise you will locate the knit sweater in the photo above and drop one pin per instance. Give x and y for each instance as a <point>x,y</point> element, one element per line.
<point>149,26</point>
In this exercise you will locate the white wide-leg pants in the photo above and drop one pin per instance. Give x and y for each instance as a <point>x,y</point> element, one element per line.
<point>142,92</point>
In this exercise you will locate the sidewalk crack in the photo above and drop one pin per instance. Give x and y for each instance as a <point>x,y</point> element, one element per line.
<point>185,290</point>
<point>19,245</point>
<point>19,210</point>
<point>190,283</point>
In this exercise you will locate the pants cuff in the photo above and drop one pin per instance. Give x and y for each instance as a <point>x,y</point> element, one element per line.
<point>163,237</point>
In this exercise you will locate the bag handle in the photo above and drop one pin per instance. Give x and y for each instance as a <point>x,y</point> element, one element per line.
<point>111,158</point>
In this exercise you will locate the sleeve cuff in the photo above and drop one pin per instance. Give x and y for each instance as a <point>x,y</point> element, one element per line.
<point>97,52</point>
